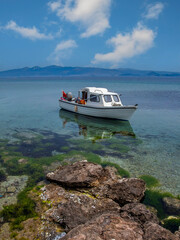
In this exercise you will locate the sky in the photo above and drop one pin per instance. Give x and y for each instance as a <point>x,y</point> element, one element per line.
<point>138,34</point>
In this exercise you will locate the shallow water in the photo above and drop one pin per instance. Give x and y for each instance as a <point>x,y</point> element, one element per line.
<point>148,144</point>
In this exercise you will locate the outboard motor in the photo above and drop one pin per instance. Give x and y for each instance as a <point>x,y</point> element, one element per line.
<point>69,96</point>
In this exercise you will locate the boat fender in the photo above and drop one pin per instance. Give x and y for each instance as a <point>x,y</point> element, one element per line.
<point>76,109</point>
<point>69,96</point>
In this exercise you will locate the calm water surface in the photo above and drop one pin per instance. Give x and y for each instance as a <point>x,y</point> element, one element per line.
<point>32,104</point>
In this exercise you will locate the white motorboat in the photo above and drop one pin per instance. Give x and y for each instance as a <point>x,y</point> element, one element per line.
<point>97,102</point>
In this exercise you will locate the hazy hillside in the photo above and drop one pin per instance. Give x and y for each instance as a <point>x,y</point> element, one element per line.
<point>80,71</point>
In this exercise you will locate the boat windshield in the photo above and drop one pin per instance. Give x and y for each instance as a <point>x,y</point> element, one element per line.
<point>107,98</point>
<point>115,98</point>
<point>94,98</point>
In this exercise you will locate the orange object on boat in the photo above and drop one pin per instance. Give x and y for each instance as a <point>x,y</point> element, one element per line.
<point>82,101</point>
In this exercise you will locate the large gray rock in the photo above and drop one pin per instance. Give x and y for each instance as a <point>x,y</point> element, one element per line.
<point>106,227</point>
<point>75,208</point>
<point>138,213</point>
<point>79,174</point>
<point>104,182</point>
<point>172,205</point>
<point>155,232</point>
<point>123,191</point>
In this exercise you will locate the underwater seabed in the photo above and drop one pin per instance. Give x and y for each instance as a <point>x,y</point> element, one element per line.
<point>30,154</point>
<point>117,142</point>
<point>113,140</point>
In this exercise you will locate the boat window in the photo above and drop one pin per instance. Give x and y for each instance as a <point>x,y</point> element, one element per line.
<point>107,98</point>
<point>115,98</point>
<point>94,98</point>
<point>84,95</point>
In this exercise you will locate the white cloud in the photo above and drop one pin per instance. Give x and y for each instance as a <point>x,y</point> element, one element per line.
<point>54,5</point>
<point>93,15</point>
<point>153,10</point>
<point>31,33</point>
<point>65,45</point>
<point>127,46</point>
<point>62,50</point>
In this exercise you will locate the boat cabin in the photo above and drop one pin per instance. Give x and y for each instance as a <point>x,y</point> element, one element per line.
<point>99,97</point>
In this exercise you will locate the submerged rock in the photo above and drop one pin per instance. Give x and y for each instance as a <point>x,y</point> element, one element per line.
<point>22,161</point>
<point>172,205</point>
<point>52,167</point>
<point>27,135</point>
<point>10,188</point>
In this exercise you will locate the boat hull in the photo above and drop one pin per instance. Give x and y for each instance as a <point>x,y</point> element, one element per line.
<point>115,112</point>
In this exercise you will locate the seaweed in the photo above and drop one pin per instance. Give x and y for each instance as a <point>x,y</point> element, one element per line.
<point>150,181</point>
<point>17,213</point>
<point>121,171</point>
<point>154,198</point>
<point>119,147</point>
<point>2,175</point>
<point>171,223</point>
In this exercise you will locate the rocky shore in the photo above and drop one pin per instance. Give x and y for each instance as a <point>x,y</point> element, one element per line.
<point>84,201</point>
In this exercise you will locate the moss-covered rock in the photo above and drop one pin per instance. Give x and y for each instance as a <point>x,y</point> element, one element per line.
<point>172,223</point>
<point>172,205</point>
<point>154,198</point>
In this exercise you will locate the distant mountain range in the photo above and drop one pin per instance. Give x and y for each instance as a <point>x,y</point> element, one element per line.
<point>58,71</point>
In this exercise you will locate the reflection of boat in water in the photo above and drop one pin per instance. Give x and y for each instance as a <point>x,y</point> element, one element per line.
<point>97,128</point>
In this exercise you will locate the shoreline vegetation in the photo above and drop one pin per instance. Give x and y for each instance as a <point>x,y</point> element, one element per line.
<point>28,155</point>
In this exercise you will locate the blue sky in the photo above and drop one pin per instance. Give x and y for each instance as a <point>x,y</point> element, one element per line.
<point>140,34</point>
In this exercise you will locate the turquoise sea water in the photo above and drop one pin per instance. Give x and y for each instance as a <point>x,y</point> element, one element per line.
<point>32,105</point>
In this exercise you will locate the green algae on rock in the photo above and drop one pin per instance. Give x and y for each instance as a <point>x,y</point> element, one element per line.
<point>172,223</point>
<point>120,171</point>
<point>19,212</point>
<point>150,181</point>
<point>154,198</point>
